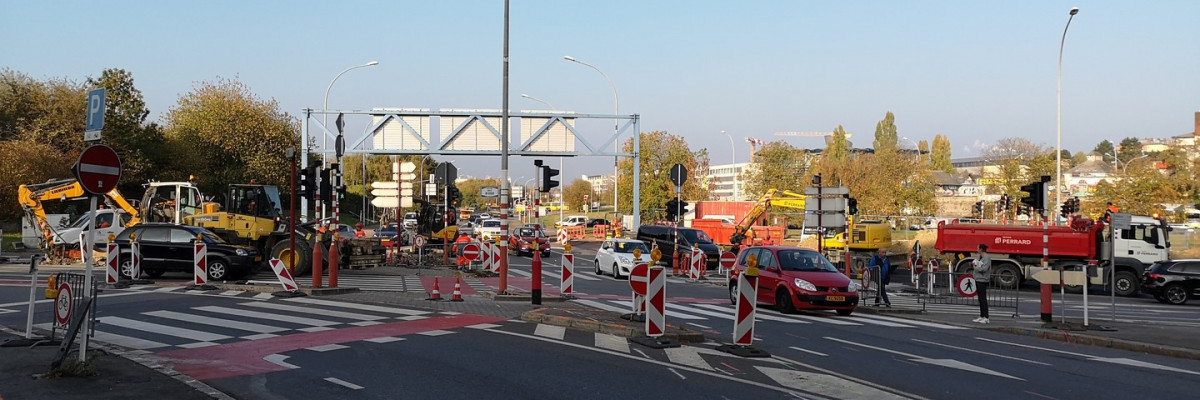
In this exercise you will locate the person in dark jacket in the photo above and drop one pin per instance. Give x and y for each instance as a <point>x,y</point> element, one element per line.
<point>983,276</point>
<point>880,264</point>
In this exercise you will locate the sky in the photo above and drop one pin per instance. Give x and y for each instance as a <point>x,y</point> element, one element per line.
<point>974,71</point>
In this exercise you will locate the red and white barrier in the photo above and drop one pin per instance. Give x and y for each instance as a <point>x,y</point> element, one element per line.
<point>656,319</point>
<point>457,294</point>
<point>695,260</point>
<point>285,276</point>
<point>497,252</point>
<point>85,247</point>
<point>568,274</point>
<point>135,258</point>
<point>743,324</point>
<point>562,235</point>
<point>200,263</point>
<point>113,257</point>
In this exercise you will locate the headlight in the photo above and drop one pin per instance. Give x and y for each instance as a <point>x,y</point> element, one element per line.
<point>853,287</point>
<point>241,252</point>
<point>806,285</point>
<point>626,261</point>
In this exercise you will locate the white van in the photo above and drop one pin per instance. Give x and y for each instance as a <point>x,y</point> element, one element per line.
<point>574,220</point>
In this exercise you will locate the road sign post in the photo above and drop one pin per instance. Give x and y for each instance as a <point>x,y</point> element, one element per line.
<point>639,278</point>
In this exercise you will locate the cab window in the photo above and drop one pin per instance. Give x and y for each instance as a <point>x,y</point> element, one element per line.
<point>181,236</point>
<point>154,235</point>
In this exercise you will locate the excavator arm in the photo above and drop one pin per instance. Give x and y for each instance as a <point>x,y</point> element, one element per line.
<point>773,198</point>
<point>32,196</point>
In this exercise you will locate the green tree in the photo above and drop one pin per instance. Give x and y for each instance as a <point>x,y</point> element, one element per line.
<point>886,134</point>
<point>1129,149</point>
<point>226,134</point>
<point>471,190</point>
<point>1105,149</point>
<point>125,129</point>
<point>27,161</point>
<point>50,112</point>
<point>836,155</point>
<point>1078,158</point>
<point>940,154</point>
<point>778,165</point>
<point>574,192</point>
<point>659,151</point>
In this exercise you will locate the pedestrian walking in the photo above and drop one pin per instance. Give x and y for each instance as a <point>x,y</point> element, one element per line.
<point>982,275</point>
<point>880,263</point>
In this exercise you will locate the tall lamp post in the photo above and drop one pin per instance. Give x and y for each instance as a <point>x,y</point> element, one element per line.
<point>732,163</point>
<point>1058,122</point>
<point>616,127</point>
<point>915,147</point>
<point>560,159</point>
<point>325,119</point>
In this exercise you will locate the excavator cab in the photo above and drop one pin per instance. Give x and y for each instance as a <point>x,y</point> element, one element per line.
<point>259,201</point>
<point>170,202</point>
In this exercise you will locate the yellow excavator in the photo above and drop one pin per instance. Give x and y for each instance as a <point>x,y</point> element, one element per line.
<point>773,198</point>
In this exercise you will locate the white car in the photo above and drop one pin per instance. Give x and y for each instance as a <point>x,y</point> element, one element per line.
<point>615,256</point>
<point>574,220</point>
<point>488,228</point>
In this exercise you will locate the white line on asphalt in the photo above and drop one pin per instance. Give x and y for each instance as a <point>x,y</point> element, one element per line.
<point>981,352</point>
<point>224,323</point>
<point>197,345</point>
<point>44,301</point>
<point>263,296</point>
<point>328,347</point>
<point>728,313</point>
<point>1112,360</point>
<point>913,322</point>
<point>385,339</point>
<point>831,386</point>
<point>277,359</point>
<point>483,326</point>
<point>119,340</point>
<point>602,306</point>
<point>676,310</point>
<point>550,331</point>
<point>343,383</point>
<point>639,351</point>
<point>268,316</point>
<point>849,378</point>
<point>364,307</point>
<point>687,355</point>
<point>6,311</point>
<point>677,373</point>
<point>876,322</point>
<point>611,342</point>
<point>809,351</point>
<point>698,325</point>
<point>232,292</point>
<point>520,272</point>
<point>316,311</point>
<point>168,289</point>
<point>161,329</point>
<point>437,332</point>
<point>260,336</point>
<point>944,362</point>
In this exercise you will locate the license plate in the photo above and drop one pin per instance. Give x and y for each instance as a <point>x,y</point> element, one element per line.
<point>835,298</point>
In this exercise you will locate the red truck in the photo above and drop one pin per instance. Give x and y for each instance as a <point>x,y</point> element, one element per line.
<point>1017,249</point>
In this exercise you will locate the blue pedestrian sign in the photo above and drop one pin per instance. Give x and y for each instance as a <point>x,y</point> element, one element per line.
<point>95,115</point>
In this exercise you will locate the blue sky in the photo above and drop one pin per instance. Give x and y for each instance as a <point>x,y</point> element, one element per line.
<point>976,71</point>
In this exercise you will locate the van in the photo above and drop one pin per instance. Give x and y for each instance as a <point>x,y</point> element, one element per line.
<point>665,238</point>
<point>574,220</point>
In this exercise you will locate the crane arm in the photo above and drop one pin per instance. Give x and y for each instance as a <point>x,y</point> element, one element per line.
<point>773,198</point>
<point>32,196</point>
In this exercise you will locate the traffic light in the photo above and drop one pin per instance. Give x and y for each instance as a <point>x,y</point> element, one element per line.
<point>308,181</point>
<point>1037,195</point>
<point>1065,208</point>
<point>683,208</point>
<point>852,206</point>
<point>672,208</point>
<point>978,208</point>
<point>548,181</point>
<point>1005,204</point>
<point>455,196</point>
<point>325,189</point>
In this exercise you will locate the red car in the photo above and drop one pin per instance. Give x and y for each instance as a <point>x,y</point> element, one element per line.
<point>792,278</point>
<point>523,241</point>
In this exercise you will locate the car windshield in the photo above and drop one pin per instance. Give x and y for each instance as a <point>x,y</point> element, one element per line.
<point>527,232</point>
<point>411,215</point>
<point>695,236</point>
<point>800,260</point>
<point>628,247</point>
<point>491,223</point>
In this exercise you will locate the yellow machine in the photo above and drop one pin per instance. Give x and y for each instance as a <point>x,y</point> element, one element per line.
<point>865,235</point>
<point>773,198</point>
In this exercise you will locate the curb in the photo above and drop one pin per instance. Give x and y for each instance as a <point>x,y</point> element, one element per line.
<point>1100,341</point>
<point>590,325</point>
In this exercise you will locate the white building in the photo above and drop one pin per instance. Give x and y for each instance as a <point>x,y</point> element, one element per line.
<point>728,181</point>
<point>600,183</point>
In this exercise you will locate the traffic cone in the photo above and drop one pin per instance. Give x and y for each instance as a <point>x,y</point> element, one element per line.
<point>436,294</point>
<point>457,295</point>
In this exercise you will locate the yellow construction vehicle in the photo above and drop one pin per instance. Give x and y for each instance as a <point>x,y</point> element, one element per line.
<point>773,198</point>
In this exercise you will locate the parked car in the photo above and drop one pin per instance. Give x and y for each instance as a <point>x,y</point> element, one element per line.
<point>597,221</point>
<point>670,237</point>
<point>574,220</point>
<point>792,278</point>
<point>386,234</point>
<point>489,228</point>
<point>523,239</point>
<point>410,219</point>
<point>1173,281</point>
<point>616,256</point>
<point>169,247</point>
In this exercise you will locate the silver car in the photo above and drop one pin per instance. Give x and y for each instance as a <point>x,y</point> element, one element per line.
<point>615,256</point>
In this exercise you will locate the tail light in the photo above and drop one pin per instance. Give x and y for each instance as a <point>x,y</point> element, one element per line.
<point>1153,277</point>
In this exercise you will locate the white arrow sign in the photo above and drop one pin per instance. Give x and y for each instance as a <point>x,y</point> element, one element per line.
<point>390,202</point>
<point>391,192</point>
<point>384,185</point>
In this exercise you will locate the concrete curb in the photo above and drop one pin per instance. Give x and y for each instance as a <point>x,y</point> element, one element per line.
<point>616,329</point>
<point>1099,341</point>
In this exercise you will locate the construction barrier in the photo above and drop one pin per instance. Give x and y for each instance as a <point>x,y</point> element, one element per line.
<point>135,258</point>
<point>113,264</point>
<point>576,232</point>
<point>562,237</point>
<point>599,231</point>
<point>568,274</point>
<point>85,247</point>
<point>284,276</point>
<point>457,294</point>
<point>200,263</point>
<point>743,324</point>
<point>696,264</point>
<point>656,293</point>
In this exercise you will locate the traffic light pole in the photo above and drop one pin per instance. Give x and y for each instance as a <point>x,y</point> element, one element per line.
<point>291,214</point>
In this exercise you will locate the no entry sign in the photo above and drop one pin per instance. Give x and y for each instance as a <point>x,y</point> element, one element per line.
<point>638,278</point>
<point>470,251</point>
<point>98,169</point>
<point>727,259</point>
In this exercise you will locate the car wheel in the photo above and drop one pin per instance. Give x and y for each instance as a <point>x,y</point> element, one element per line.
<point>218,269</point>
<point>598,271</point>
<point>126,268</point>
<point>783,301</point>
<point>1175,294</point>
<point>845,313</point>
<point>1126,283</point>
<point>616,271</point>
<point>1006,277</point>
<point>733,293</point>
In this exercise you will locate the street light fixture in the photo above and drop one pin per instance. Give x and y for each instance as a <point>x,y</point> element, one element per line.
<point>616,128</point>
<point>325,106</point>
<point>539,101</point>
<point>732,163</point>
<point>915,147</point>
<point>1125,168</point>
<point>1058,122</point>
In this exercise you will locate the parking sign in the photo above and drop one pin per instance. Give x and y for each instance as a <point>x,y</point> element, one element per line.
<point>95,115</point>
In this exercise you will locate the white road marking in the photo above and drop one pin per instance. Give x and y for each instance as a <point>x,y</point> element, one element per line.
<point>877,322</point>
<point>677,373</point>
<point>385,339</point>
<point>945,362</point>
<point>826,385</point>
<point>862,382</point>
<point>328,347</point>
<point>277,359</point>
<point>232,292</point>
<point>698,325</point>
<point>197,345</point>
<point>483,326</point>
<point>263,296</point>
<point>224,323</point>
<point>1114,360</point>
<point>268,316</point>
<point>689,356</point>
<point>602,306</point>
<point>550,331</point>
<point>315,329</point>
<point>729,312</point>
<point>612,342</point>
<point>310,310</point>
<point>438,332</point>
<point>366,323</point>
<point>119,340</point>
<point>343,383</point>
<point>913,322</point>
<point>46,301</point>
<point>168,289</point>
<point>981,352</point>
<point>162,329</point>
<point>363,307</point>
<point>260,336</point>
<point>809,351</point>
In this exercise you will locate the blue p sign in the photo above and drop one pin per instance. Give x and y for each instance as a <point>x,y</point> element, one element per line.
<point>95,110</point>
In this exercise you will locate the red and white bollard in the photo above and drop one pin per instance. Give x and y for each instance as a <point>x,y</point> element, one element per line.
<point>200,265</point>
<point>284,276</point>
<point>436,294</point>
<point>656,294</point>
<point>135,258</point>
<point>568,273</point>
<point>457,294</point>
<point>743,322</point>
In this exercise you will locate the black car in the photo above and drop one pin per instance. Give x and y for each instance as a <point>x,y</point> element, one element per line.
<point>1173,281</point>
<point>169,247</point>
<point>597,221</point>
<point>669,237</point>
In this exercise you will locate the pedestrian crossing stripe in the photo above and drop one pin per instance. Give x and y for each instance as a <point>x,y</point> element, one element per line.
<point>701,311</point>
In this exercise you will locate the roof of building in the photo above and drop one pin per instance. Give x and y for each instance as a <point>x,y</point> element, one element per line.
<point>1092,167</point>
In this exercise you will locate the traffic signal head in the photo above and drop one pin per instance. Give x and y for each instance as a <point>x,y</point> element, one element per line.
<point>683,208</point>
<point>548,181</point>
<point>326,186</point>
<point>852,206</point>
<point>672,208</point>
<point>1065,208</point>
<point>1037,195</point>
<point>308,181</point>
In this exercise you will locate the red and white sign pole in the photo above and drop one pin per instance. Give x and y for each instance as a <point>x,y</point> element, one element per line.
<point>743,325</point>
<point>639,278</point>
<point>285,276</point>
<point>135,260</point>
<point>113,256</point>
<point>727,260</point>
<point>568,272</point>
<point>200,262</point>
<point>695,260</point>
<point>656,319</point>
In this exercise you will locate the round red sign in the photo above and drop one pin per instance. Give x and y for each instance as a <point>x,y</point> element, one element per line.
<point>639,277</point>
<point>727,259</point>
<point>98,169</point>
<point>470,251</point>
<point>64,304</point>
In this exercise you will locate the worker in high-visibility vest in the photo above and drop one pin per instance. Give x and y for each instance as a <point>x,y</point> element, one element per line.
<point>459,243</point>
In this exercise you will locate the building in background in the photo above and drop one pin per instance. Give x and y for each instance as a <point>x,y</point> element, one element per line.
<point>728,181</point>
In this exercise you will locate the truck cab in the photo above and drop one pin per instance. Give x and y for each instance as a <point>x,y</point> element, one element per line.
<point>1146,241</point>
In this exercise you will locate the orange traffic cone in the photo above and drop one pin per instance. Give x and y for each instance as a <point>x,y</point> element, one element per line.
<point>457,295</point>
<point>436,294</point>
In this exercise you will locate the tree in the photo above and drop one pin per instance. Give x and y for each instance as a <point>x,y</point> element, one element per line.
<point>779,165</point>
<point>140,145</point>
<point>472,188</point>
<point>1078,158</point>
<point>50,112</point>
<point>1105,149</point>
<point>574,192</point>
<point>225,131</point>
<point>659,151</point>
<point>26,161</point>
<point>1129,149</point>
<point>940,154</point>
<point>836,155</point>
<point>886,135</point>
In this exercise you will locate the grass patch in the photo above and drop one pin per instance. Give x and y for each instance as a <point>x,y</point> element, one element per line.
<point>73,368</point>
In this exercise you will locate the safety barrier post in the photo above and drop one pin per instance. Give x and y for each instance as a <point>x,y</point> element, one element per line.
<point>200,265</point>
<point>112,261</point>
<point>333,259</point>
<point>743,324</point>
<point>290,288</point>
<point>568,273</point>
<point>656,311</point>
<point>318,264</point>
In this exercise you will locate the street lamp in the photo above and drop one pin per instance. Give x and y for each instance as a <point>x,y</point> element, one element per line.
<point>325,106</point>
<point>732,162</point>
<point>616,128</point>
<point>539,101</point>
<point>915,147</point>
<point>1058,121</point>
<point>1125,168</point>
